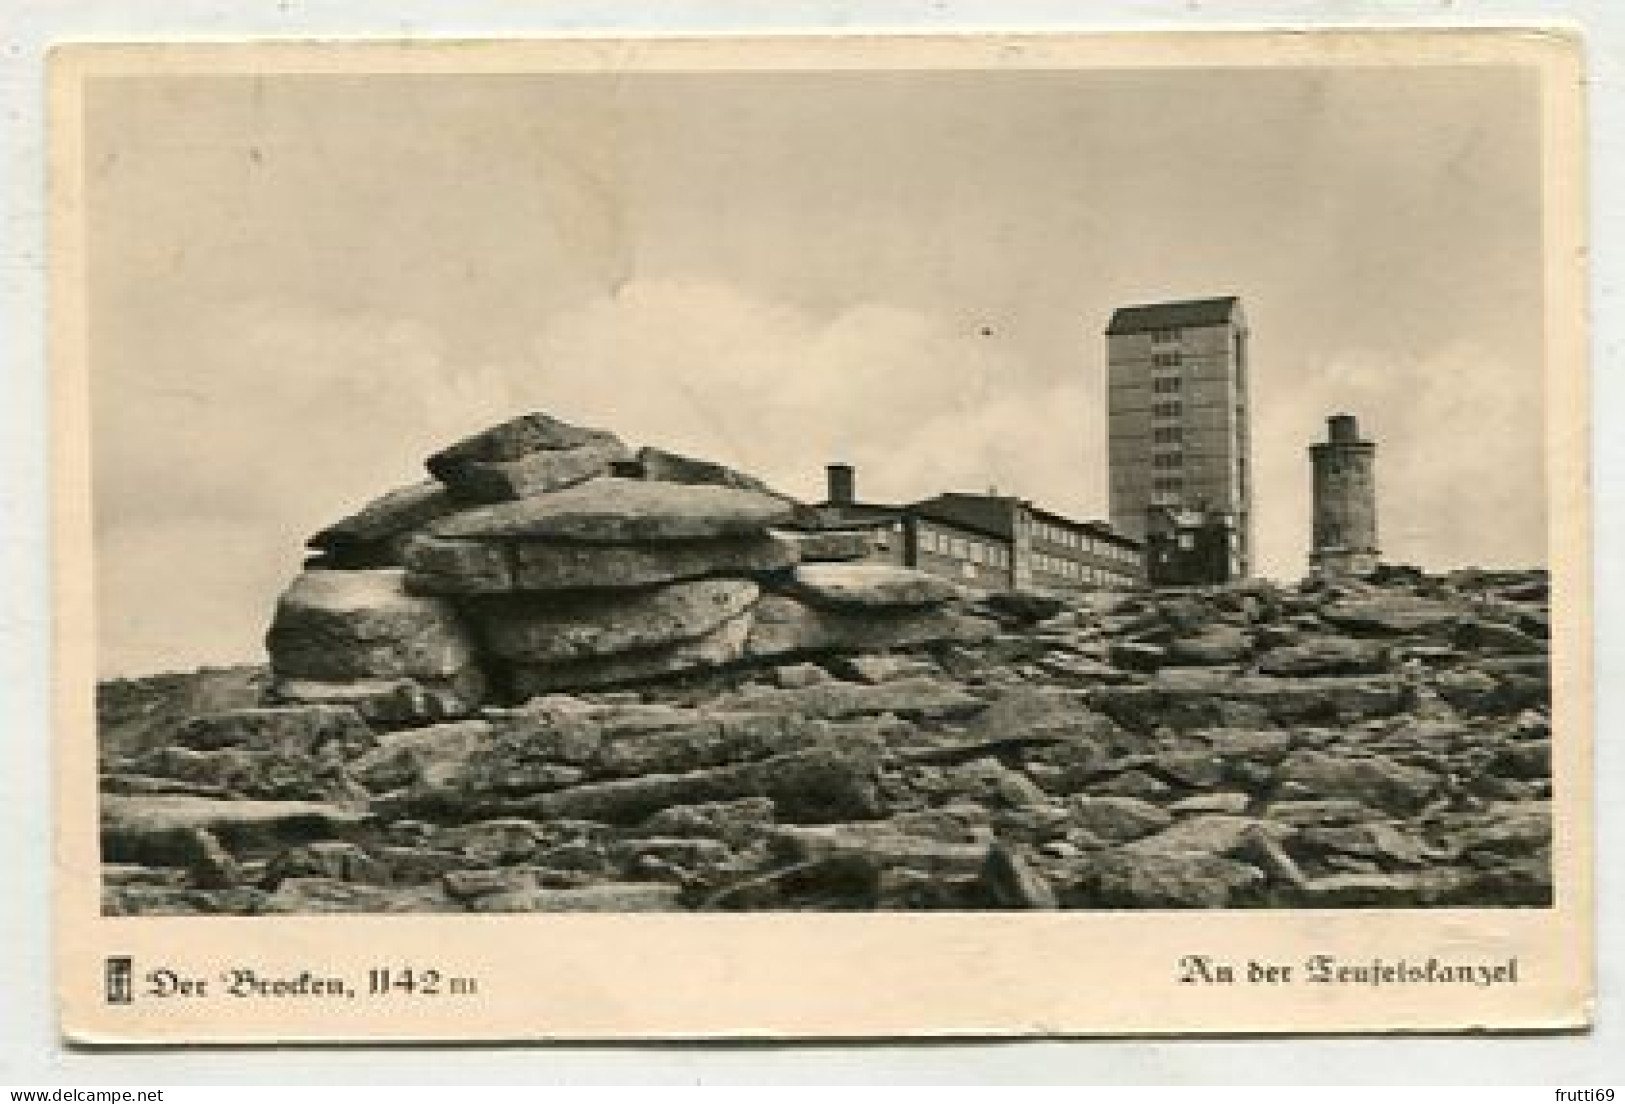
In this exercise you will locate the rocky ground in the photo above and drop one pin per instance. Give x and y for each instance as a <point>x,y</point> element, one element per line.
<point>1383,743</point>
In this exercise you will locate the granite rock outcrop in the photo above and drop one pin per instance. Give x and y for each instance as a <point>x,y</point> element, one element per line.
<point>570,676</point>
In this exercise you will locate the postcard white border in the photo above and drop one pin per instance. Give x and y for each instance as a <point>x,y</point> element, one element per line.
<point>840,976</point>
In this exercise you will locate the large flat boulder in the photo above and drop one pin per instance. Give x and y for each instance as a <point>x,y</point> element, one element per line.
<point>1124,879</point>
<point>623,511</point>
<point>333,896</point>
<point>1373,780</point>
<point>1204,834</point>
<point>337,626</point>
<point>619,897</point>
<point>548,567</point>
<point>921,698</point>
<point>626,740</point>
<point>448,566</point>
<point>376,534</point>
<point>535,473</point>
<point>296,729</point>
<point>457,566</point>
<point>1221,700</point>
<point>511,440</point>
<point>870,586</point>
<point>1385,889</point>
<point>1324,655</point>
<point>226,772</point>
<point>564,628</point>
<point>723,645</point>
<point>829,545</point>
<point>533,454</point>
<point>785,626</point>
<point>811,786</point>
<point>1116,818</point>
<point>432,757</point>
<point>1215,645</point>
<point>882,843</point>
<point>159,829</point>
<point>386,703</point>
<point>1391,615</point>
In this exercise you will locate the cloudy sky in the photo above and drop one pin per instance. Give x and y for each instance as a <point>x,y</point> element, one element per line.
<point>301,285</point>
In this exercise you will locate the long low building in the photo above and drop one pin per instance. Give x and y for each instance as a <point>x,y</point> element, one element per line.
<point>990,541</point>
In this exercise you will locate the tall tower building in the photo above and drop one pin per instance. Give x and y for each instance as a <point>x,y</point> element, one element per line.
<point>1177,377</point>
<point>1345,500</point>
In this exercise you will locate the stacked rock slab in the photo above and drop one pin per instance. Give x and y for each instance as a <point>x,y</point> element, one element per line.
<point>529,455</point>
<point>557,559</point>
<point>376,535</point>
<point>358,638</point>
<point>846,607</point>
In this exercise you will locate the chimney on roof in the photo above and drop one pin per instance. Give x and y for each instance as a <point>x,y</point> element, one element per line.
<point>842,484</point>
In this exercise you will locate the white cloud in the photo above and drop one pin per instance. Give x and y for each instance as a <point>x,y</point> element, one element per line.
<point>707,368</point>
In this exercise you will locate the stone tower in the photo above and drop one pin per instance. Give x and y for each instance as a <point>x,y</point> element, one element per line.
<point>1345,500</point>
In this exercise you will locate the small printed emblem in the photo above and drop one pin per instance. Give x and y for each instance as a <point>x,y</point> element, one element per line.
<point>119,990</point>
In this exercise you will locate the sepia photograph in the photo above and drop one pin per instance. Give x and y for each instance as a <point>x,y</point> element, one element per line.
<point>629,486</point>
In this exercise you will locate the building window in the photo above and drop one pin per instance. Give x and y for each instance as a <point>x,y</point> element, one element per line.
<point>1163,336</point>
<point>1165,435</point>
<point>1187,542</point>
<point>1165,385</point>
<point>1168,409</point>
<point>1165,360</point>
<point>1167,460</point>
<point>1167,483</point>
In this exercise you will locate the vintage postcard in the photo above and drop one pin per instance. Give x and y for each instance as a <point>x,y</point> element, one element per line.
<point>796,537</point>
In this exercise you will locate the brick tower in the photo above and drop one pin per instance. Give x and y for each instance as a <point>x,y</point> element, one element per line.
<point>1345,501</point>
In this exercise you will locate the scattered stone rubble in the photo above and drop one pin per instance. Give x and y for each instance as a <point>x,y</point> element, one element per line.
<point>563,676</point>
